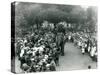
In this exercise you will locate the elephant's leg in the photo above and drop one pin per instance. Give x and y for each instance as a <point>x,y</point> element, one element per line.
<point>62,49</point>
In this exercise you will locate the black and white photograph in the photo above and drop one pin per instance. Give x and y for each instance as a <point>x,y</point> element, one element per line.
<point>53,37</point>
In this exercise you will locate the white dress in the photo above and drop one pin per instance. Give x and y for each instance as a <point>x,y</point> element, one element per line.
<point>92,53</point>
<point>83,50</point>
<point>22,52</point>
<point>89,49</point>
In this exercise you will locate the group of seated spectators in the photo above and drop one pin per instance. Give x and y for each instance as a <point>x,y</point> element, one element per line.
<point>38,53</point>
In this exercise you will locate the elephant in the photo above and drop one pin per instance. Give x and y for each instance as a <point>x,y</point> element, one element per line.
<point>60,42</point>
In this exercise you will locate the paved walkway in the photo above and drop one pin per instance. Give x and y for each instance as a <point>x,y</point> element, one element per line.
<point>74,60</point>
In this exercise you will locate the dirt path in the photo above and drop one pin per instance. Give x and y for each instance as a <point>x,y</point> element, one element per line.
<point>74,60</point>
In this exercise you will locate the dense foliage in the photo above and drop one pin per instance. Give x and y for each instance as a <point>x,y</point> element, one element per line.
<point>30,16</point>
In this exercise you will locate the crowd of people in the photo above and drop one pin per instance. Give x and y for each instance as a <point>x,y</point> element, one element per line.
<point>86,42</point>
<point>40,51</point>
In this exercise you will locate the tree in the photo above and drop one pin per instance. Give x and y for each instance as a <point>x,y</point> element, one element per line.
<point>92,18</point>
